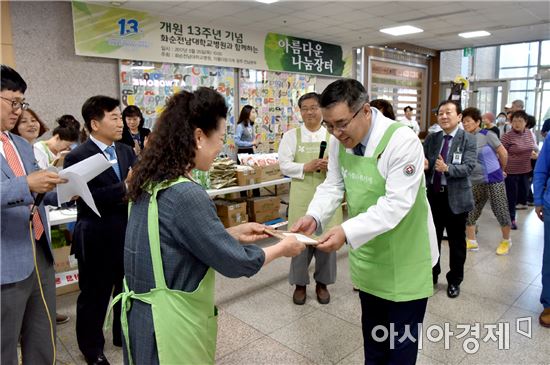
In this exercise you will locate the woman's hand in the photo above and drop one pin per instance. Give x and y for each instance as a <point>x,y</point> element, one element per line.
<point>248,232</point>
<point>290,246</point>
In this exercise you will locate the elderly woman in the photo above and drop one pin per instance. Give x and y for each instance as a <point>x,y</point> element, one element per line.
<point>520,146</point>
<point>175,242</point>
<point>487,181</point>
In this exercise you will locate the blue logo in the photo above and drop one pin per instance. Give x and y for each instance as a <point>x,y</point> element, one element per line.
<point>128,26</point>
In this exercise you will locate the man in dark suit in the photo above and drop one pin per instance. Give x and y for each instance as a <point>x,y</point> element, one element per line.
<point>451,156</point>
<point>99,241</point>
<point>26,318</point>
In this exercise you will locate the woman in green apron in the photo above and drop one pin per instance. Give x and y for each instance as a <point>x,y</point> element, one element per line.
<point>175,241</point>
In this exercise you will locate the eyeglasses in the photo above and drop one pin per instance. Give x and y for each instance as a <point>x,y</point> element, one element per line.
<point>340,128</point>
<point>307,110</point>
<point>16,104</point>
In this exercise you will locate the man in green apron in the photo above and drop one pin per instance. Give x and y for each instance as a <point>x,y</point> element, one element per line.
<point>300,157</point>
<point>378,164</point>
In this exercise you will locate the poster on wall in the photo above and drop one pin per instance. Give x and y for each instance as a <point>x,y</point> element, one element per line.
<point>275,96</point>
<point>101,31</point>
<point>401,83</point>
<point>148,85</point>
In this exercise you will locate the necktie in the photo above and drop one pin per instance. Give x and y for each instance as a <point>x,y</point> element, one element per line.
<point>112,157</point>
<point>444,152</point>
<point>15,165</point>
<point>359,150</point>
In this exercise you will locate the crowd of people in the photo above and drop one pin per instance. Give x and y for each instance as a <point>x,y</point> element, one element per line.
<point>151,255</point>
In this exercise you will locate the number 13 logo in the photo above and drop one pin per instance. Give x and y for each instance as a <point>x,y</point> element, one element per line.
<point>129,26</point>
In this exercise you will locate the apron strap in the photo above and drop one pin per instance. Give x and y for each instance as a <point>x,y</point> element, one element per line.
<point>153,229</point>
<point>298,136</point>
<point>386,138</point>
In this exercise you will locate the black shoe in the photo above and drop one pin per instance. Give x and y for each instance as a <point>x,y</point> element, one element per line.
<point>453,290</point>
<point>98,360</point>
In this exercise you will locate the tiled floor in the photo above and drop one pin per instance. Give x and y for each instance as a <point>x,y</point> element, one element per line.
<point>258,324</point>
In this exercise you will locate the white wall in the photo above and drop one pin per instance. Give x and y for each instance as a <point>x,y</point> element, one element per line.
<point>58,81</point>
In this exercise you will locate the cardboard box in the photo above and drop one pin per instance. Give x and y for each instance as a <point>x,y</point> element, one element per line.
<point>246,177</point>
<point>263,209</point>
<point>234,219</point>
<point>263,204</point>
<point>263,217</point>
<point>268,173</point>
<point>61,258</point>
<point>225,208</point>
<point>231,213</point>
<point>283,189</point>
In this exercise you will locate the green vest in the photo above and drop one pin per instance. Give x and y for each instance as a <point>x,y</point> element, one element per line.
<point>185,322</point>
<point>395,265</point>
<point>302,191</point>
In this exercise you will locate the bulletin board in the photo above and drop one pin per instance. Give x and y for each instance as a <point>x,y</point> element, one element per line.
<point>275,96</point>
<point>148,85</point>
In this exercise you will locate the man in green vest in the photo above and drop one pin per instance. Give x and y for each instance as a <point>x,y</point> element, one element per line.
<point>379,165</point>
<point>301,158</point>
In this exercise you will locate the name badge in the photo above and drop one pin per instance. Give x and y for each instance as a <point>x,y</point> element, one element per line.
<point>457,158</point>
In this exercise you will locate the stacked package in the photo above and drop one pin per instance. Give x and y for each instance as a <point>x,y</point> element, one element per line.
<point>223,173</point>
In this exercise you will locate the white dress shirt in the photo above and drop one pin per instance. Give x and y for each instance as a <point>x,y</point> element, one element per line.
<point>287,150</point>
<point>403,150</point>
<point>411,123</point>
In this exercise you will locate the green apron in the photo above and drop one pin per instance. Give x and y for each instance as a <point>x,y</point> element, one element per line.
<point>50,156</point>
<point>185,322</point>
<point>302,191</point>
<point>395,265</point>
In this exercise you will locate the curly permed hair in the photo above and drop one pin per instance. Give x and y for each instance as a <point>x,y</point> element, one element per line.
<point>170,151</point>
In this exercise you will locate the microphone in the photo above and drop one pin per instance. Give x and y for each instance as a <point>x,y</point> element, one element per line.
<point>37,200</point>
<point>322,149</point>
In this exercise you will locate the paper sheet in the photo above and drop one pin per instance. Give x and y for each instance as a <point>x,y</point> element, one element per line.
<point>304,239</point>
<point>78,176</point>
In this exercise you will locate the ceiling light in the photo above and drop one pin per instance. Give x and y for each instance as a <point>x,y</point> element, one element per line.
<point>477,33</point>
<point>401,30</point>
<point>143,67</point>
<point>267,1</point>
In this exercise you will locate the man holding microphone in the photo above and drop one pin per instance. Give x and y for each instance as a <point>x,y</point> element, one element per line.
<point>379,165</point>
<point>301,157</point>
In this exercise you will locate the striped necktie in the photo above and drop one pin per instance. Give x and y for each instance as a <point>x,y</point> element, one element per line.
<point>15,165</point>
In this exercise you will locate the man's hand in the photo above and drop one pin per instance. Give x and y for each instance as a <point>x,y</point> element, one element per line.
<point>306,225</point>
<point>315,165</point>
<point>43,181</point>
<point>440,165</point>
<point>248,232</point>
<point>426,164</point>
<point>540,212</point>
<point>332,240</point>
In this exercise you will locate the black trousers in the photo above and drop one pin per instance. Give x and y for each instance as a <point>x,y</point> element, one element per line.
<point>100,277</point>
<point>455,224</point>
<point>396,319</point>
<point>516,191</point>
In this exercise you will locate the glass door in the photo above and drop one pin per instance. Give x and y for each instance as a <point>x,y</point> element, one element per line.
<point>489,96</point>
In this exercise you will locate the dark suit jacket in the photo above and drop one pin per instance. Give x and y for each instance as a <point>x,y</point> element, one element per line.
<point>458,178</point>
<point>127,137</point>
<point>97,236</point>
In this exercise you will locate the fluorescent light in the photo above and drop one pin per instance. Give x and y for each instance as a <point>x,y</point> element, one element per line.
<point>143,67</point>
<point>401,30</point>
<point>267,1</point>
<point>477,33</point>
